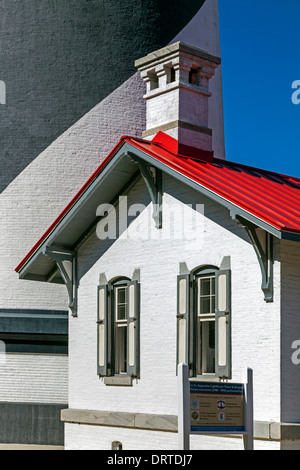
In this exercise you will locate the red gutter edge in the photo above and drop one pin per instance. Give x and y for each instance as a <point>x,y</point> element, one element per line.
<point>73,201</point>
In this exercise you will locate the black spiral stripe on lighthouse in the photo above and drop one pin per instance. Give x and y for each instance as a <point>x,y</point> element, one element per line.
<point>59,59</point>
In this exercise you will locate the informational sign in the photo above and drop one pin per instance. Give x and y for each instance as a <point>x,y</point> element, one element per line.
<point>214,408</point>
<point>217,408</point>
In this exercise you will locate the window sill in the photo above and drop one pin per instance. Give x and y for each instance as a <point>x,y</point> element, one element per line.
<point>205,378</point>
<point>118,381</point>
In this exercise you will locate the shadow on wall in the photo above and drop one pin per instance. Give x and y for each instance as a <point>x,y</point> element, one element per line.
<point>71,55</point>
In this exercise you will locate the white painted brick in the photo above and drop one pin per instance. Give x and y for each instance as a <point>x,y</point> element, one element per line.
<point>163,109</point>
<point>32,378</point>
<point>31,203</point>
<point>255,323</point>
<point>290,329</point>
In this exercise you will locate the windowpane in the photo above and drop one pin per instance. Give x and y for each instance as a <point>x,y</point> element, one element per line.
<point>121,295</point>
<point>121,312</point>
<point>204,305</point>
<point>213,286</point>
<point>206,350</point>
<point>121,350</point>
<point>205,288</point>
<point>213,305</point>
<point>212,335</point>
<point>206,295</point>
<point>210,353</point>
<point>121,305</point>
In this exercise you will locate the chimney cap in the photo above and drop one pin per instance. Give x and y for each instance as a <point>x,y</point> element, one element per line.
<point>175,48</point>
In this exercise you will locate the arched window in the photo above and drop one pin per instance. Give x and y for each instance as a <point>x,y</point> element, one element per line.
<point>204,322</point>
<point>118,328</point>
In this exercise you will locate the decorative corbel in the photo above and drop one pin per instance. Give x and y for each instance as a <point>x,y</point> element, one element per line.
<point>66,261</point>
<point>154,186</point>
<point>264,253</point>
<point>153,180</point>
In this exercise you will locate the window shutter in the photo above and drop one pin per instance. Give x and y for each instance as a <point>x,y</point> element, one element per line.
<point>183,319</point>
<point>223,324</point>
<point>133,327</point>
<point>104,343</point>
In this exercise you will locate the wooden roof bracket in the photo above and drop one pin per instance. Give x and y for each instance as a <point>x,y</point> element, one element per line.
<point>66,261</point>
<point>153,180</point>
<point>264,253</point>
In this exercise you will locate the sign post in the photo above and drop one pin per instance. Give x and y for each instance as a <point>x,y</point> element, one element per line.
<point>214,408</point>
<point>184,422</point>
<point>249,436</point>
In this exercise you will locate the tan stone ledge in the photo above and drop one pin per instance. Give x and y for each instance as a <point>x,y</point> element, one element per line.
<point>157,56</point>
<point>118,381</point>
<point>123,420</point>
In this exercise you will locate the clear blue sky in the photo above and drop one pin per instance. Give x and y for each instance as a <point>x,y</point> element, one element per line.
<point>260,46</point>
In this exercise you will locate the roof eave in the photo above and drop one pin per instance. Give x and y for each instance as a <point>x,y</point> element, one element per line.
<point>51,235</point>
<point>127,148</point>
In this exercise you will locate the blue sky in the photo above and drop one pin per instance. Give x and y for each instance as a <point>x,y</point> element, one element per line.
<point>260,46</point>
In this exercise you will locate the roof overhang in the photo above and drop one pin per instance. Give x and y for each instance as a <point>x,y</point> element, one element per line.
<point>79,219</point>
<point>75,225</point>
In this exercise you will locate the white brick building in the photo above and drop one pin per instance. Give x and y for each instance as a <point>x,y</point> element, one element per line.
<point>211,281</point>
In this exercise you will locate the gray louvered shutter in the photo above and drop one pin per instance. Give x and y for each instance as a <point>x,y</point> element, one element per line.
<point>133,328</point>
<point>223,324</point>
<point>104,343</point>
<point>183,319</point>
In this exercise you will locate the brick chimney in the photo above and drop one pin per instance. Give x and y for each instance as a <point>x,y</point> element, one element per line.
<point>177,93</point>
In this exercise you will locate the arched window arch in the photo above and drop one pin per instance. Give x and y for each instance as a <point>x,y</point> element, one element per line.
<point>204,269</point>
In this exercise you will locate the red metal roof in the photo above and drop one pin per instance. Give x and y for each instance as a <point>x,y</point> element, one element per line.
<point>274,198</point>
